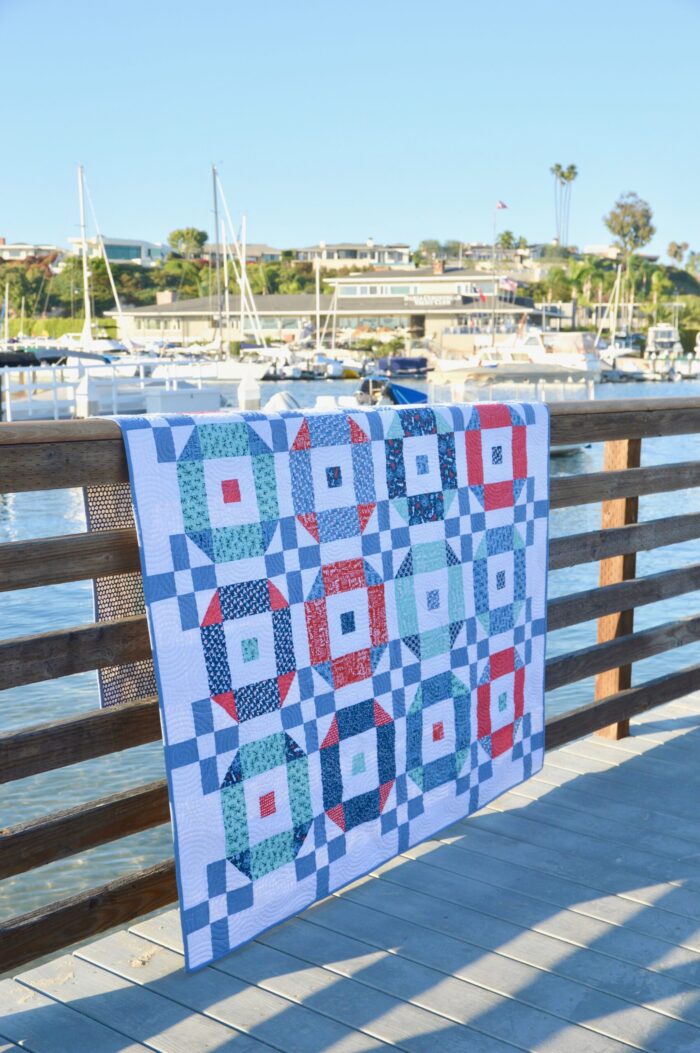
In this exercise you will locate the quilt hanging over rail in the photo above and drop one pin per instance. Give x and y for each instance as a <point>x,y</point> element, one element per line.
<point>347,614</point>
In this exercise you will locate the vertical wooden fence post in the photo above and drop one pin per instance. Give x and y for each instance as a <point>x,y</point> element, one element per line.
<point>624,453</point>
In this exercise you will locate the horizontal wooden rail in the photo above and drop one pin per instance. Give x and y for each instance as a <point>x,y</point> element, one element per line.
<point>58,743</point>
<point>47,656</point>
<point>577,607</point>
<point>569,490</point>
<point>53,454</point>
<point>57,925</point>
<point>53,927</point>
<point>59,465</point>
<point>70,557</point>
<point>622,650</point>
<point>76,557</point>
<point>625,704</point>
<point>595,545</point>
<point>72,830</point>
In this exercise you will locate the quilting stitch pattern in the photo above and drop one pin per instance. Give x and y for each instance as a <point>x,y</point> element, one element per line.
<point>347,615</point>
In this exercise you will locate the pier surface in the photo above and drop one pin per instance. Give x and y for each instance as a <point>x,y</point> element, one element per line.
<point>565,916</point>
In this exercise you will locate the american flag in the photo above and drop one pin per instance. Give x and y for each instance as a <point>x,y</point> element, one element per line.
<point>508,284</point>
<point>500,204</point>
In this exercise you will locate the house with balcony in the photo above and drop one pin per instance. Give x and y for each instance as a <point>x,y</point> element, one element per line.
<point>355,254</point>
<point>124,250</point>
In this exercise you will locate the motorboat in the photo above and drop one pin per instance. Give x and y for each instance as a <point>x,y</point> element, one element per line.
<point>404,365</point>
<point>664,340</point>
<point>530,356</point>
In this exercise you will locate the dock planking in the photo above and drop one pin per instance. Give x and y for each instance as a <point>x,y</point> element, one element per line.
<point>565,916</point>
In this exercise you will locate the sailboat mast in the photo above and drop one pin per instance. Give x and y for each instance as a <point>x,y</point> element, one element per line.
<point>318,303</point>
<point>216,253</point>
<point>87,327</point>
<point>6,312</point>
<point>244,274</point>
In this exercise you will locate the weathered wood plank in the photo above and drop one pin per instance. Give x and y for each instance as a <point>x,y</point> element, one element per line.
<point>588,661</point>
<point>537,824</point>
<point>249,1007</point>
<point>52,454</point>
<point>44,1025</point>
<point>611,876</point>
<point>598,987</point>
<point>50,928</point>
<point>77,829</point>
<point>90,429</point>
<point>610,485</point>
<point>514,891</point>
<point>594,545</point>
<point>624,454</point>
<point>641,824</point>
<point>75,557</point>
<point>582,721</point>
<point>54,744</point>
<point>143,1015</point>
<point>510,1001</point>
<point>58,465</point>
<point>47,656</point>
<point>71,557</point>
<point>593,603</point>
<point>570,422</point>
<point>631,965</point>
<point>576,422</point>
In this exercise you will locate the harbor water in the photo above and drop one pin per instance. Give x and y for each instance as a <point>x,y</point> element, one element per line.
<point>32,515</point>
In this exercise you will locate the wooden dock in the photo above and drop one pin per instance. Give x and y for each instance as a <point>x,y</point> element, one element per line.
<point>564,917</point>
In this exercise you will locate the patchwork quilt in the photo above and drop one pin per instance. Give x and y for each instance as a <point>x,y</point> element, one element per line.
<point>347,614</point>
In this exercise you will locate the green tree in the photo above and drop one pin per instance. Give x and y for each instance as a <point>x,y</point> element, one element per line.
<point>506,239</point>
<point>630,223</point>
<point>693,263</point>
<point>451,248</point>
<point>676,251</point>
<point>187,241</point>
<point>429,247</point>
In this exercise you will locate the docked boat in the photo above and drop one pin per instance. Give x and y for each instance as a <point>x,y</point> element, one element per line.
<point>404,365</point>
<point>530,356</point>
<point>664,340</point>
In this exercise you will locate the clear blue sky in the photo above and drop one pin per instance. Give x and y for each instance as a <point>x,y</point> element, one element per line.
<point>399,119</point>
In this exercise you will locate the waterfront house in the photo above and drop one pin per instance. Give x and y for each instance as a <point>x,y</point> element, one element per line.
<point>124,250</point>
<point>355,254</point>
<point>432,303</point>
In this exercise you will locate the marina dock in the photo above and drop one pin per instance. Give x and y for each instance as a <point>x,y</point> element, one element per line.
<point>563,917</point>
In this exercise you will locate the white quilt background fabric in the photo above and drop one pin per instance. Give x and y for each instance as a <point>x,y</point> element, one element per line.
<point>348,617</point>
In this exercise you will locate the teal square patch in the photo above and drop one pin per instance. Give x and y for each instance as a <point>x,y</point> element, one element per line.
<point>358,764</point>
<point>250,650</point>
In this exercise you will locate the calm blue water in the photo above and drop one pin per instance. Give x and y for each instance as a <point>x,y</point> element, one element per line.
<point>34,515</point>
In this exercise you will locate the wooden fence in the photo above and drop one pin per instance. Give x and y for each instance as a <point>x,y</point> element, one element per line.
<point>52,455</point>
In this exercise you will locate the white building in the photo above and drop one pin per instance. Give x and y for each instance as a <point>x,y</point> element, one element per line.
<point>254,252</point>
<point>125,250</point>
<point>355,254</point>
<point>430,302</point>
<point>16,252</point>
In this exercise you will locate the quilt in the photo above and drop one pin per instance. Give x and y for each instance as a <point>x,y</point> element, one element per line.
<point>347,615</point>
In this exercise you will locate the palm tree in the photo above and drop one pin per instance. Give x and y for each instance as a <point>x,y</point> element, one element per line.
<point>563,178</point>
<point>569,174</point>
<point>557,171</point>
<point>676,251</point>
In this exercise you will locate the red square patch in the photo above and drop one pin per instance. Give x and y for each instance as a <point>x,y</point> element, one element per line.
<point>438,731</point>
<point>267,804</point>
<point>231,491</point>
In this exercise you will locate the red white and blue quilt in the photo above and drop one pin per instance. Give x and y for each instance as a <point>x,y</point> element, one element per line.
<point>347,614</point>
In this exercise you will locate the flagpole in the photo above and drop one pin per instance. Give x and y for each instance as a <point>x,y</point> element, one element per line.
<point>493,292</point>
